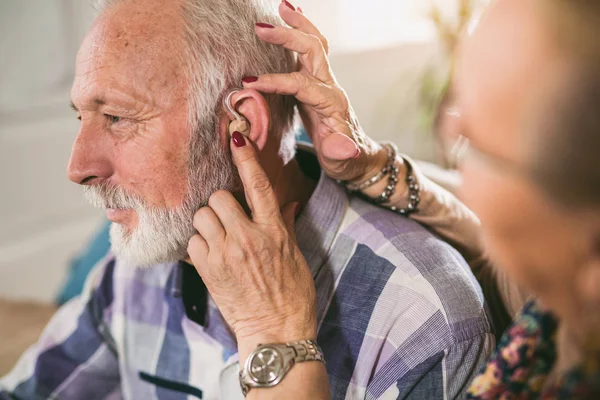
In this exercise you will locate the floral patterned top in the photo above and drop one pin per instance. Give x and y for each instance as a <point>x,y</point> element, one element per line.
<point>525,356</point>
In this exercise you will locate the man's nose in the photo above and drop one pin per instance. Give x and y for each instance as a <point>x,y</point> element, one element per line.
<point>89,162</point>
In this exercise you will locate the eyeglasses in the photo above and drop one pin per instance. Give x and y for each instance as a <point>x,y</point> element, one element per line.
<point>460,146</point>
<point>463,147</point>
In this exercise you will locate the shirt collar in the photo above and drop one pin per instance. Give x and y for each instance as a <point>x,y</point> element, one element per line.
<point>318,224</point>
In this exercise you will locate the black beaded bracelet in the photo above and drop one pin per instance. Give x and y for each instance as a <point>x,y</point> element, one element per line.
<point>413,192</point>
<point>393,170</point>
<point>390,189</point>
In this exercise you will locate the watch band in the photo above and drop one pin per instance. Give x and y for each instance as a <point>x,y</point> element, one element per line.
<point>306,350</point>
<point>291,353</point>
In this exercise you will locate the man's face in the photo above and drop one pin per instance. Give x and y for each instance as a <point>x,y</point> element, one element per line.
<point>133,147</point>
<point>504,67</point>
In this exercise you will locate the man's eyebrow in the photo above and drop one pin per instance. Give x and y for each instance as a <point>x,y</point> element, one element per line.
<point>97,100</point>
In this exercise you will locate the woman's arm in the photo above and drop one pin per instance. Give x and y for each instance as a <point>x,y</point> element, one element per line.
<point>346,153</point>
<point>344,150</point>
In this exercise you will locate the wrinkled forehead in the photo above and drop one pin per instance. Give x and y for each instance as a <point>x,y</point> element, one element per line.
<point>134,47</point>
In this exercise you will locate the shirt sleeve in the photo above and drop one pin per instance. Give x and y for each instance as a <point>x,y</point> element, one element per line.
<point>445,214</point>
<point>442,212</point>
<point>75,357</point>
<point>445,375</point>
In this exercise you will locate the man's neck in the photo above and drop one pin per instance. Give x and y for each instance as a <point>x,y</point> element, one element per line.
<point>291,185</point>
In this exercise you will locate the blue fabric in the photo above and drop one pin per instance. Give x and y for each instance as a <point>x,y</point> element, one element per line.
<point>82,265</point>
<point>302,136</point>
<point>343,330</point>
<point>383,315</point>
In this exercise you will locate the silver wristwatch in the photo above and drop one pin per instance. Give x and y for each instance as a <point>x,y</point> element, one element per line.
<point>268,364</point>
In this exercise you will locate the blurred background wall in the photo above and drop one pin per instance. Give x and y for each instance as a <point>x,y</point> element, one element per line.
<point>379,51</point>
<point>43,218</point>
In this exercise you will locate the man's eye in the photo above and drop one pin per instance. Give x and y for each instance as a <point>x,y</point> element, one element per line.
<point>113,119</point>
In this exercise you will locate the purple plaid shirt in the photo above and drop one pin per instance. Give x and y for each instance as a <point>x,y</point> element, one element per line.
<point>400,316</point>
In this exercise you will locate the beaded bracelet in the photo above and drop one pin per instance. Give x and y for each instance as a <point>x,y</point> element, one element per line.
<point>393,170</point>
<point>358,187</point>
<point>413,192</point>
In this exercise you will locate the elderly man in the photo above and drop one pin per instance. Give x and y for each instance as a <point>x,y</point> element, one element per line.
<point>400,313</point>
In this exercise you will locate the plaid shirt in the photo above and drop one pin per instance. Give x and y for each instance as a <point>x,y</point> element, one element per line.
<point>400,314</point>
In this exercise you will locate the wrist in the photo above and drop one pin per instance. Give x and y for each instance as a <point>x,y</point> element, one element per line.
<point>377,158</point>
<point>401,187</point>
<point>284,332</point>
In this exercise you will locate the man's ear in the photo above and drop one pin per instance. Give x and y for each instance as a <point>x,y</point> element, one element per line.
<point>254,108</point>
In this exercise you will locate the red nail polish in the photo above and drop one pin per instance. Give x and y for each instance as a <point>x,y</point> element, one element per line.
<point>287,3</point>
<point>250,79</point>
<point>263,25</point>
<point>238,139</point>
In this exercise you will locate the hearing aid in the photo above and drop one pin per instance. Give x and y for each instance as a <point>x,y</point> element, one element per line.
<point>239,124</point>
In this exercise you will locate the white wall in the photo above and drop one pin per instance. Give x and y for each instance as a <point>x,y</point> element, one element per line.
<point>43,218</point>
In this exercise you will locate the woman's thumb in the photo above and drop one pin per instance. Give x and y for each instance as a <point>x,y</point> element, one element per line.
<point>289,214</point>
<point>339,147</point>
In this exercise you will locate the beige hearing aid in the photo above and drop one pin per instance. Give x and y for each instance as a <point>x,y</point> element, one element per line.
<point>240,123</point>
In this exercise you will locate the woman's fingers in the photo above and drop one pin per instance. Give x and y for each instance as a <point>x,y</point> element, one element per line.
<point>312,54</point>
<point>294,17</point>
<point>293,84</point>
<point>306,90</point>
<point>288,214</point>
<point>209,227</point>
<point>198,251</point>
<point>259,192</point>
<point>228,210</point>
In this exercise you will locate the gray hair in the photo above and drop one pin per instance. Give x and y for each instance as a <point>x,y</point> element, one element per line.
<point>567,155</point>
<point>221,47</point>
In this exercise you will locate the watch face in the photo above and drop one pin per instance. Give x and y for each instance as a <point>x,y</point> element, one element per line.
<point>266,366</point>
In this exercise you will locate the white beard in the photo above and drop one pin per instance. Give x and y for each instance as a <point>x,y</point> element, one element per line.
<point>162,235</point>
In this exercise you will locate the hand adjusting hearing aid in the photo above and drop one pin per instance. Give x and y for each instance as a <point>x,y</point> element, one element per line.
<point>240,123</point>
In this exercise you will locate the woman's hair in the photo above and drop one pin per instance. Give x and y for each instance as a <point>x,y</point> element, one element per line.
<point>567,152</point>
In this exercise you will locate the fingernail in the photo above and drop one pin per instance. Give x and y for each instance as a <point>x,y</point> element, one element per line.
<point>300,10</point>
<point>263,25</point>
<point>238,139</point>
<point>249,79</point>
<point>287,3</point>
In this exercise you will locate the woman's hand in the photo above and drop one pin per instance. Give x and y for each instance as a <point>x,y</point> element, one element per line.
<point>252,266</point>
<point>344,151</point>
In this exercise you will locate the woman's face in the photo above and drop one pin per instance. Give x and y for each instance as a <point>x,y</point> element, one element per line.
<point>500,71</point>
